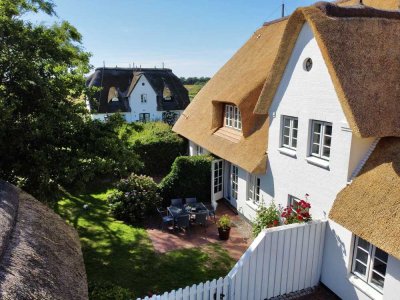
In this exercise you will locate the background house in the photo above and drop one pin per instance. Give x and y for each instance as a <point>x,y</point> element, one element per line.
<point>299,110</point>
<point>138,94</point>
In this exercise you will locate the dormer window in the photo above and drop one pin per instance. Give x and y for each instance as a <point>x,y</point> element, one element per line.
<point>232,118</point>
<point>143,98</point>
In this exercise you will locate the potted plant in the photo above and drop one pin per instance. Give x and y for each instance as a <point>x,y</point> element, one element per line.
<point>224,227</point>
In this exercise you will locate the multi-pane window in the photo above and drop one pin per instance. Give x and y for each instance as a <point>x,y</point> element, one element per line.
<point>199,150</point>
<point>253,192</point>
<point>144,117</point>
<point>289,132</point>
<point>234,181</point>
<point>369,263</point>
<point>143,98</point>
<point>321,138</point>
<point>233,118</point>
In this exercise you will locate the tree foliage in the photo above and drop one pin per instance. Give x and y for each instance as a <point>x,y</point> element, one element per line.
<point>46,136</point>
<point>194,80</point>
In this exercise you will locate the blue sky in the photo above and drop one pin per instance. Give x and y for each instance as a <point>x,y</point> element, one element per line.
<point>194,38</point>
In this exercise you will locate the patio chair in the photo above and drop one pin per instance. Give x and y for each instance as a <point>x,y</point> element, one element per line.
<point>201,219</point>
<point>191,200</point>
<point>211,211</point>
<point>177,202</point>
<point>165,218</point>
<point>183,221</point>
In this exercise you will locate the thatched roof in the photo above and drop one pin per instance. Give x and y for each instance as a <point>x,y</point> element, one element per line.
<point>241,80</point>
<point>370,206</point>
<point>40,255</point>
<point>122,81</point>
<point>361,47</point>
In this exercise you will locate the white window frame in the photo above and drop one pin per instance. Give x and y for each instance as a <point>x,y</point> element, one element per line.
<point>292,129</point>
<point>254,189</point>
<point>292,200</point>
<point>321,142</point>
<point>144,119</point>
<point>143,98</point>
<point>199,150</point>
<point>369,266</point>
<point>233,118</point>
<point>234,181</point>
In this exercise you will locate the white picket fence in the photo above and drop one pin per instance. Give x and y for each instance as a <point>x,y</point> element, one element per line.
<point>280,260</point>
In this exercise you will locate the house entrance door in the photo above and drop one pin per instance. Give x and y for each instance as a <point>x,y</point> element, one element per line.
<point>217,183</point>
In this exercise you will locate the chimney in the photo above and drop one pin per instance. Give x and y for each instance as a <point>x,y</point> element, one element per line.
<point>283,9</point>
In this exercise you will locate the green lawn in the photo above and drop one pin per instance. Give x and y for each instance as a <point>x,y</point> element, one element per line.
<point>193,89</point>
<point>124,255</point>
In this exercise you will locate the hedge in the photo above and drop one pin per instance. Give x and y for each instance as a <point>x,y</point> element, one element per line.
<point>190,176</point>
<point>157,146</point>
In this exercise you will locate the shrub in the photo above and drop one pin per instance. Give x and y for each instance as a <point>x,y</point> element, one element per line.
<point>156,144</point>
<point>105,290</point>
<point>298,214</point>
<point>266,217</point>
<point>190,176</point>
<point>224,222</point>
<point>135,198</point>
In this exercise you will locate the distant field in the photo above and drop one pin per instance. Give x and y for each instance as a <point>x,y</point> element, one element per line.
<point>193,89</point>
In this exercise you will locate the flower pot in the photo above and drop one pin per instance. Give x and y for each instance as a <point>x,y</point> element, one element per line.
<point>224,233</point>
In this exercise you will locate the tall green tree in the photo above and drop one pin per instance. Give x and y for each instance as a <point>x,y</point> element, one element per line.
<point>46,136</point>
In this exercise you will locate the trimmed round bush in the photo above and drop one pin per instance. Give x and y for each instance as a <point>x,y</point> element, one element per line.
<point>135,198</point>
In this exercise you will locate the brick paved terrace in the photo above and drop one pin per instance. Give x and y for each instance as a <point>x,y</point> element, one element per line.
<point>197,236</point>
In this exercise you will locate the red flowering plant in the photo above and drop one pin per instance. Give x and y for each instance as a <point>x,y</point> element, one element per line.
<point>298,213</point>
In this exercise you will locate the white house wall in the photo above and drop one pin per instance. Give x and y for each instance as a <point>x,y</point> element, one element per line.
<point>150,106</point>
<point>336,267</point>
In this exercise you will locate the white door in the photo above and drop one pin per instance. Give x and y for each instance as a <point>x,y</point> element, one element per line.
<point>217,185</point>
<point>234,184</point>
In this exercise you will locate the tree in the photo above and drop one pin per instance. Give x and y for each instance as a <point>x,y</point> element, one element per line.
<point>43,127</point>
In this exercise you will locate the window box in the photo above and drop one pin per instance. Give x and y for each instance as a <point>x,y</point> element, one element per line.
<point>318,162</point>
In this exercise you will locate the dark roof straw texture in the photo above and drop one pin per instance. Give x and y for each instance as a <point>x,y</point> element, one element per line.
<point>40,255</point>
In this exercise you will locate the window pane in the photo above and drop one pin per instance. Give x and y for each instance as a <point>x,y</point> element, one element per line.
<point>363,244</point>
<point>295,123</point>
<point>360,268</point>
<point>382,255</point>
<point>286,140</point>
<point>326,152</point>
<point>362,256</point>
<point>377,280</point>
<point>294,133</point>
<point>316,138</point>
<point>315,149</point>
<point>285,131</point>
<point>294,143</point>
<point>317,127</point>
<point>328,129</point>
<point>286,122</point>
<point>327,140</point>
<point>380,267</point>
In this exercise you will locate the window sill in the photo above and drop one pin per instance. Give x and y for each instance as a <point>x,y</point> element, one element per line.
<point>318,162</point>
<point>365,288</point>
<point>288,152</point>
<point>252,205</point>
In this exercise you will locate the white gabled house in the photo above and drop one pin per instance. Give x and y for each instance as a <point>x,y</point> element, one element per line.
<point>310,105</point>
<point>139,94</point>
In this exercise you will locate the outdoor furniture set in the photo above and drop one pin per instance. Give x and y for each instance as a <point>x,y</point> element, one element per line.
<point>183,215</point>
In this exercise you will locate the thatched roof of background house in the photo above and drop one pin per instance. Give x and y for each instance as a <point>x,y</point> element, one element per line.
<point>40,255</point>
<point>240,81</point>
<point>122,81</point>
<point>361,47</point>
<point>370,206</point>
